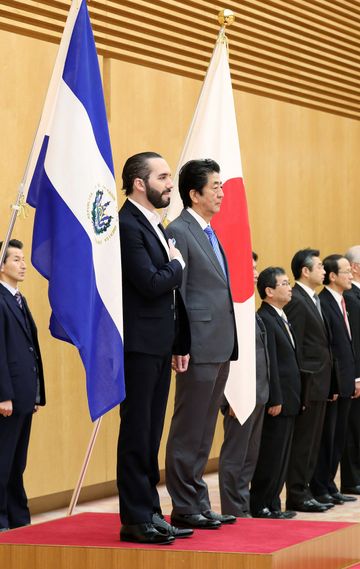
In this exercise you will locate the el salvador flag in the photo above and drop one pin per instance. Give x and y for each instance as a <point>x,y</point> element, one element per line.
<point>76,246</point>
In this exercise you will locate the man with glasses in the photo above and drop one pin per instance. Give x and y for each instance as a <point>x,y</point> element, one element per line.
<point>337,280</point>
<point>350,462</point>
<point>284,400</point>
<point>314,356</point>
<point>206,291</point>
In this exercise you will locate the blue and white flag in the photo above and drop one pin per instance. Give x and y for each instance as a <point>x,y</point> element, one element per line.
<point>76,244</point>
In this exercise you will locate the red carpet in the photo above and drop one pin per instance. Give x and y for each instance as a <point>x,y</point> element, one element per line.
<point>102,530</point>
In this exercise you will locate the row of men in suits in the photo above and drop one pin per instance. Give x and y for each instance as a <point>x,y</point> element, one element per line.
<point>310,367</point>
<point>314,385</point>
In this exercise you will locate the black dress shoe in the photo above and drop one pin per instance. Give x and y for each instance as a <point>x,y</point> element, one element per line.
<point>163,526</point>
<point>310,506</point>
<point>266,513</point>
<point>343,498</point>
<point>195,521</point>
<point>350,490</point>
<point>222,518</point>
<point>144,533</point>
<point>329,499</point>
<point>286,515</point>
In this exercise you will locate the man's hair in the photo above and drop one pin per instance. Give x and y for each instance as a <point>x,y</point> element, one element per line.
<point>267,278</point>
<point>255,256</point>
<point>353,254</point>
<point>301,259</point>
<point>12,243</point>
<point>331,265</point>
<point>194,175</point>
<point>137,166</point>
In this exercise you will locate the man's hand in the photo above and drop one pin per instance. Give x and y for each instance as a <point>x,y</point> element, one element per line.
<point>173,252</point>
<point>334,397</point>
<point>180,363</point>
<point>357,390</point>
<point>6,408</point>
<point>275,410</point>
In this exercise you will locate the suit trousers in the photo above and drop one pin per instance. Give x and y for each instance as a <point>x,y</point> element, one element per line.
<point>14,442</point>
<point>350,462</point>
<point>237,462</point>
<point>198,396</point>
<point>331,447</point>
<point>304,453</point>
<point>147,381</point>
<point>271,468</point>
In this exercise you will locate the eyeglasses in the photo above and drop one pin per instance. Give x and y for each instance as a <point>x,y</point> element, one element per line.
<point>348,272</point>
<point>284,283</point>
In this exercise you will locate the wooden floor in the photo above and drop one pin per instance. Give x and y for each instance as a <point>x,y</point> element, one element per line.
<point>349,512</point>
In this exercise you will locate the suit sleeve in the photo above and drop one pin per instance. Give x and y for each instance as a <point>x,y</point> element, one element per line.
<point>139,268</point>
<point>297,318</point>
<point>6,387</point>
<point>182,245</point>
<point>275,397</point>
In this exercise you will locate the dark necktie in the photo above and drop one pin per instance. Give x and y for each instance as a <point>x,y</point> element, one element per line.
<point>19,299</point>
<point>215,245</point>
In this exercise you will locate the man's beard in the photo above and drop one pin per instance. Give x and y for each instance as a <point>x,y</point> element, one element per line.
<point>157,199</point>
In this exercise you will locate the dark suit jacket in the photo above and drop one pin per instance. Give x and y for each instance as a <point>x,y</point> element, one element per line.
<point>341,345</point>
<point>149,281</point>
<point>206,294</point>
<point>285,384</point>
<point>312,344</point>
<point>352,299</point>
<point>20,359</point>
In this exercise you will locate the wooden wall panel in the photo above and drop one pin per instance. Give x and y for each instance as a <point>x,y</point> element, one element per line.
<point>301,167</point>
<point>300,51</point>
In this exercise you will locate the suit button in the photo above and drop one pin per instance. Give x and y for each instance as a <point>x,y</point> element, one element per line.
<point>31,349</point>
<point>172,307</point>
<point>34,369</point>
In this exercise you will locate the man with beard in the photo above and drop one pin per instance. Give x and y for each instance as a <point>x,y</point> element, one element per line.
<point>155,327</point>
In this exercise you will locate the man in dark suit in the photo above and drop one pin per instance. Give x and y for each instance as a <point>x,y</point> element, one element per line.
<point>350,461</point>
<point>284,401</point>
<point>314,357</point>
<point>240,449</point>
<point>155,327</point>
<point>206,292</point>
<point>338,278</point>
<point>21,387</point>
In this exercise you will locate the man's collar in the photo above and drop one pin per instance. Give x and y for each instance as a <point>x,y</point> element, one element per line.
<point>152,216</point>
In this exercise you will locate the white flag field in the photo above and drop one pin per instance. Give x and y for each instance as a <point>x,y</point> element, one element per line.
<point>213,134</point>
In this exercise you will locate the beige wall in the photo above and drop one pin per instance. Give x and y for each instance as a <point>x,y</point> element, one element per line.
<point>302,173</point>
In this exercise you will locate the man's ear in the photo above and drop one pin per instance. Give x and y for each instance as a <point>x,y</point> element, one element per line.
<point>139,185</point>
<point>194,196</point>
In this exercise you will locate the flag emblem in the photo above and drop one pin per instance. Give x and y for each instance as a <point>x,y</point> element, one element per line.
<point>100,214</point>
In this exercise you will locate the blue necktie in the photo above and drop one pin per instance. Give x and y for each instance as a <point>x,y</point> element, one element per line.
<point>215,245</point>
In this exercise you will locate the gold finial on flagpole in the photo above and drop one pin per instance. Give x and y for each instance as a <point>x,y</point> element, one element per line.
<point>226,17</point>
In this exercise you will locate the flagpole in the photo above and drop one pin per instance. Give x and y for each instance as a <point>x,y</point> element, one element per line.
<point>77,490</point>
<point>19,207</point>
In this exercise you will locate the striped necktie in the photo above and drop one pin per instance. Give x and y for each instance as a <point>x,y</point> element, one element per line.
<point>19,299</point>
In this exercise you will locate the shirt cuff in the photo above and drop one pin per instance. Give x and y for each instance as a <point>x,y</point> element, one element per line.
<point>183,264</point>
